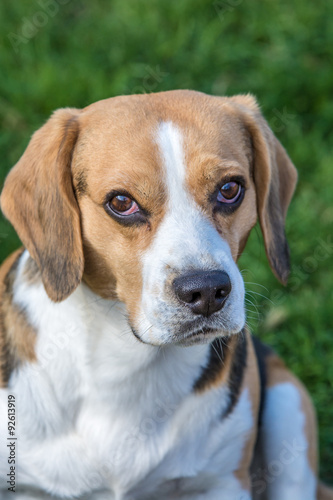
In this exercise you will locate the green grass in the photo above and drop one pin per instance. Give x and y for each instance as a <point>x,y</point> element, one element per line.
<point>280,51</point>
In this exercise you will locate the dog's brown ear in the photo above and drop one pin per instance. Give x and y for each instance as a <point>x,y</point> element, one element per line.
<point>275,179</point>
<point>39,201</point>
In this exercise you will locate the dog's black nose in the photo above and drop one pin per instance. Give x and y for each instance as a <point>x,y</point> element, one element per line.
<point>205,292</point>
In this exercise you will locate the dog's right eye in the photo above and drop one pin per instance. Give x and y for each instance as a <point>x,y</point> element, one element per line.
<point>124,209</point>
<point>123,205</point>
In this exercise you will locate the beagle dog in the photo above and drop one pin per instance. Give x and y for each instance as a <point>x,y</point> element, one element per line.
<point>127,371</point>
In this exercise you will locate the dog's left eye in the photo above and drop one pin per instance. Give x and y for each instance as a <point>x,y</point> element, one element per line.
<point>123,205</point>
<point>229,192</point>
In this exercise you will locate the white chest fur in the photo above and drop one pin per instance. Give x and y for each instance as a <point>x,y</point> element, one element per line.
<point>101,410</point>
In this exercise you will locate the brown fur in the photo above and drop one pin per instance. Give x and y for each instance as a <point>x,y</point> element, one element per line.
<point>275,178</point>
<point>251,383</point>
<point>324,493</point>
<point>39,201</point>
<point>17,337</point>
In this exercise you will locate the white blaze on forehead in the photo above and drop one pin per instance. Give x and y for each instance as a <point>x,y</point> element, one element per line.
<point>170,142</point>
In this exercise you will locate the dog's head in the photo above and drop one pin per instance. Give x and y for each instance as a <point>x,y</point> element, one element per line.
<point>150,200</point>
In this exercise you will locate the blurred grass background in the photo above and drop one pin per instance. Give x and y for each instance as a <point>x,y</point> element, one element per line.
<point>58,53</point>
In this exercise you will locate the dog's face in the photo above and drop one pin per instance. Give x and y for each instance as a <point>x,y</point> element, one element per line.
<point>150,199</point>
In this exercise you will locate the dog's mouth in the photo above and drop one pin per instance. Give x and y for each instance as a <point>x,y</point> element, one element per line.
<point>203,335</point>
<point>186,333</point>
<point>202,331</point>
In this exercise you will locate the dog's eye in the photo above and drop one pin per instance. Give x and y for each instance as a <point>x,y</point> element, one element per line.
<point>123,205</point>
<point>229,192</point>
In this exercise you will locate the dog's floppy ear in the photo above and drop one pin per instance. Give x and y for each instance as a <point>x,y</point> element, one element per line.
<point>275,179</point>
<point>39,201</point>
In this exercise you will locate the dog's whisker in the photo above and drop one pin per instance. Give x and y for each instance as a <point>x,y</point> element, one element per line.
<point>217,353</point>
<point>248,301</point>
<point>259,294</point>
<point>256,284</point>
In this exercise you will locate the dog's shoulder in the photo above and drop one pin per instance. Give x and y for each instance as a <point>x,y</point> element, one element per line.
<point>17,337</point>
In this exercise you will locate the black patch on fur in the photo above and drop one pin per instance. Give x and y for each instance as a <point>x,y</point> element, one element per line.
<point>218,352</point>
<point>262,351</point>
<point>236,375</point>
<point>215,364</point>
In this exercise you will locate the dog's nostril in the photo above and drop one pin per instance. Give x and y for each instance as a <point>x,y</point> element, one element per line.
<point>221,294</point>
<point>195,297</point>
<point>205,292</point>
